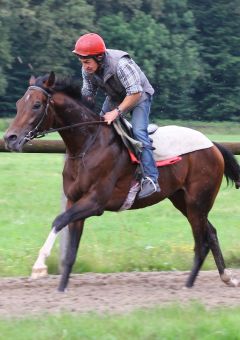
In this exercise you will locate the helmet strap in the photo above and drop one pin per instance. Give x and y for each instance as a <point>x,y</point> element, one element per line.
<point>98,58</point>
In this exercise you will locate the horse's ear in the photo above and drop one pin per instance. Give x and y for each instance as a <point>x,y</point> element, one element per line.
<point>51,80</point>
<point>32,80</point>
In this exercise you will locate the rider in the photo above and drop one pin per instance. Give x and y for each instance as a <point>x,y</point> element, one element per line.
<point>127,89</point>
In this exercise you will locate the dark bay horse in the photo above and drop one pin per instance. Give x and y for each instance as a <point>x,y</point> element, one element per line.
<point>98,172</point>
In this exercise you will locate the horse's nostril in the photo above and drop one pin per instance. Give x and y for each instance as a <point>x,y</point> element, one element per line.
<point>12,138</point>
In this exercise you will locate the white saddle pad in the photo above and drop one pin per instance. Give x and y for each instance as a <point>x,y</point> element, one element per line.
<point>171,141</point>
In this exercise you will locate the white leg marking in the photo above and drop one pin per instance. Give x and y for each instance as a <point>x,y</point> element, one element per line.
<point>228,279</point>
<point>39,268</point>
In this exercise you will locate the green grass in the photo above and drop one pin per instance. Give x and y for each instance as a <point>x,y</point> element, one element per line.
<point>4,123</point>
<point>208,128</point>
<point>30,199</point>
<point>174,322</point>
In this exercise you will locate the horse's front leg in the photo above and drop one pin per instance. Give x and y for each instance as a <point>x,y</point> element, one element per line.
<point>39,268</point>
<point>87,206</point>
<point>75,233</point>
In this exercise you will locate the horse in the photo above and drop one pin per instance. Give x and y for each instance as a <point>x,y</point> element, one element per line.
<point>98,173</point>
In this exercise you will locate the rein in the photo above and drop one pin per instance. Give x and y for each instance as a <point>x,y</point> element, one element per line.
<point>45,132</point>
<point>35,133</point>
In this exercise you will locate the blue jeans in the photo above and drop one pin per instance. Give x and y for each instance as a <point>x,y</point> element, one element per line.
<point>140,121</point>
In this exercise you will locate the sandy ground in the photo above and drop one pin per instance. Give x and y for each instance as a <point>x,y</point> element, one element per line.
<point>112,293</point>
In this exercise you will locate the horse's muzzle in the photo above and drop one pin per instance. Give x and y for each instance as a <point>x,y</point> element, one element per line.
<point>13,142</point>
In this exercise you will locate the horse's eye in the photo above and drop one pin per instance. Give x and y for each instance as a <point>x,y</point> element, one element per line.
<point>37,106</point>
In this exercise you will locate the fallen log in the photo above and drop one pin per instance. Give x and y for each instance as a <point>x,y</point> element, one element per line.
<point>57,146</point>
<point>40,146</point>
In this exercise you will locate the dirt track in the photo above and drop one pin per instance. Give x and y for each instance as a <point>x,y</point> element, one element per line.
<point>114,293</point>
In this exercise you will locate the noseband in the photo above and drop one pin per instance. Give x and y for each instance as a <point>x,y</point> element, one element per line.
<point>35,133</point>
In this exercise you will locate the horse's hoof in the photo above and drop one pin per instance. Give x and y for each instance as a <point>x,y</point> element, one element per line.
<point>234,283</point>
<point>38,273</point>
<point>59,290</point>
<point>227,278</point>
<point>237,184</point>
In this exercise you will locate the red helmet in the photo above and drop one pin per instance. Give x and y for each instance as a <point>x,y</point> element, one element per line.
<point>89,44</point>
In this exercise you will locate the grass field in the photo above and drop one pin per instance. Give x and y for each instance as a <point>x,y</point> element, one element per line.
<point>154,238</point>
<point>170,323</point>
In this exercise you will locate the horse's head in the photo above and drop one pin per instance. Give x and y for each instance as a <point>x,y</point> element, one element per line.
<point>33,113</point>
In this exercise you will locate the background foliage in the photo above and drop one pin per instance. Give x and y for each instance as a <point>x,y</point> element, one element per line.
<point>189,49</point>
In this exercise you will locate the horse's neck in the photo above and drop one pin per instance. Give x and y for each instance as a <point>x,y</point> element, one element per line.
<point>73,112</point>
<point>76,138</point>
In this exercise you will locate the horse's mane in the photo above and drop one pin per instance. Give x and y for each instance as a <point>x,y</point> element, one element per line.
<point>68,85</point>
<point>65,84</point>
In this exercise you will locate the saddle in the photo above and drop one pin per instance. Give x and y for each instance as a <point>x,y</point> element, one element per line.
<point>124,130</point>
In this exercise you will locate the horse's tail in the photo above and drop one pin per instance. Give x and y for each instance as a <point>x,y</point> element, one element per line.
<point>232,167</point>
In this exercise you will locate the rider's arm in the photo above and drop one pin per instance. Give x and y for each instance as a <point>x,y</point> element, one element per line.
<point>129,101</point>
<point>89,89</point>
<point>130,79</point>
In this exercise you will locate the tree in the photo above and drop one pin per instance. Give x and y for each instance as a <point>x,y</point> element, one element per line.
<point>42,39</point>
<point>218,24</point>
<point>183,65</point>
<point>108,7</point>
<point>5,55</point>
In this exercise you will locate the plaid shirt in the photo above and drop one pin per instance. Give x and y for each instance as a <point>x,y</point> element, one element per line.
<point>127,74</point>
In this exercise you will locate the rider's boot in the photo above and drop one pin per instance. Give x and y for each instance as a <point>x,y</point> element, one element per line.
<point>148,187</point>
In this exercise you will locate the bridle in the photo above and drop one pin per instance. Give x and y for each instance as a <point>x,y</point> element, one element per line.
<point>35,133</point>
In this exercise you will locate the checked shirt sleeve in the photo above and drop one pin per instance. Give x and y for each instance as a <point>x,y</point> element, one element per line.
<point>128,76</point>
<point>89,89</point>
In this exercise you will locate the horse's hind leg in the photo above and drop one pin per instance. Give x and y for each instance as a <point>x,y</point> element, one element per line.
<point>75,233</point>
<point>218,257</point>
<point>205,237</point>
<point>197,222</point>
<point>201,248</point>
<point>215,247</point>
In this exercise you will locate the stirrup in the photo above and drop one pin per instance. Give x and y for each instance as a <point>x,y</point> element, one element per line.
<point>148,191</point>
<point>150,180</point>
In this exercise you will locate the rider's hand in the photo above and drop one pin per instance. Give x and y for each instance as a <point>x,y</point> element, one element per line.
<point>110,116</point>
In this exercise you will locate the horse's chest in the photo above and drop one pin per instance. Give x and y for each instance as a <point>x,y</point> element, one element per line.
<point>76,181</point>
